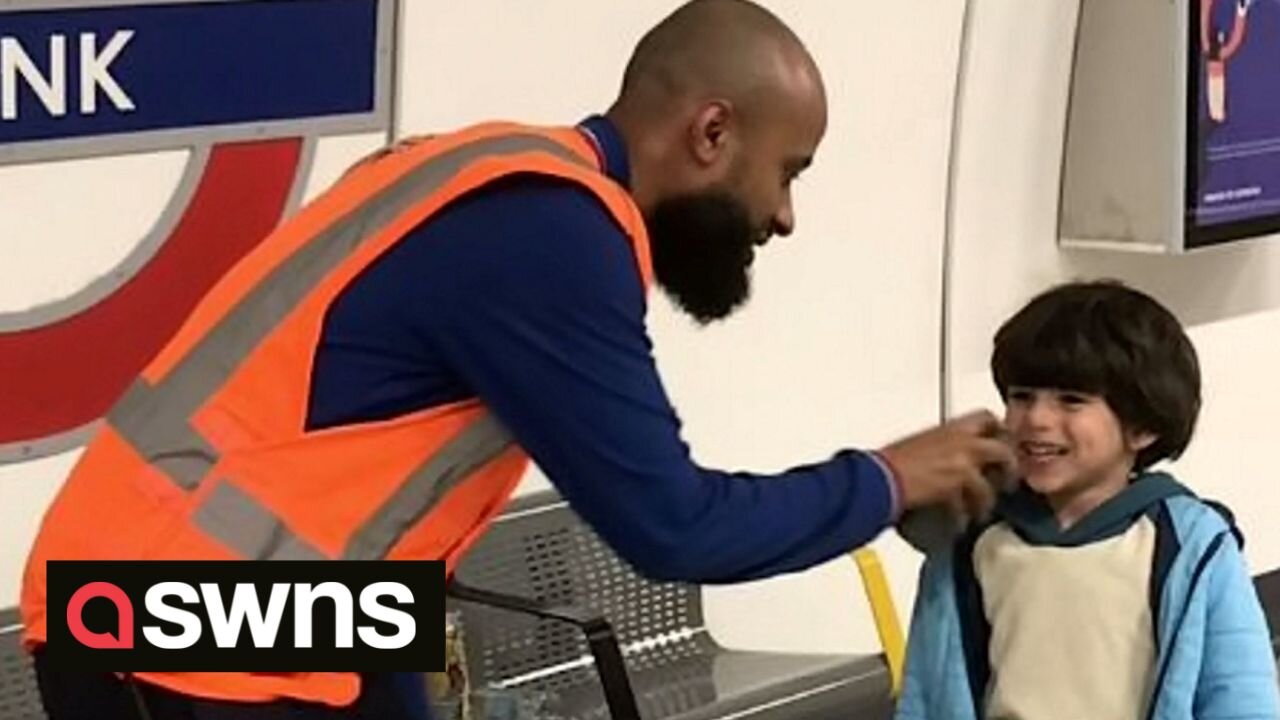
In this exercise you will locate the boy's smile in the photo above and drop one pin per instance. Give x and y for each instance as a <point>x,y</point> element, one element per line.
<point>1071,448</point>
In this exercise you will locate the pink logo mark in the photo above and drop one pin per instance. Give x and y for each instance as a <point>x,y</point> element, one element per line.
<point>123,639</point>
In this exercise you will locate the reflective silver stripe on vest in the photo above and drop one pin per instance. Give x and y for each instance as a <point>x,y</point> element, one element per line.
<point>168,443</point>
<point>156,419</point>
<point>233,517</point>
<point>245,525</point>
<point>480,442</point>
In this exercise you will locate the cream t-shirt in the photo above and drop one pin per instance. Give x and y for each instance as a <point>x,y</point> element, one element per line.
<point>1071,628</point>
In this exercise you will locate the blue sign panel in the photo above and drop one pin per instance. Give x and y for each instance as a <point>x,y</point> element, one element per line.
<point>250,68</point>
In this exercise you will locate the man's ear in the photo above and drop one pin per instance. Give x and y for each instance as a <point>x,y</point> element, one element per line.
<point>710,132</point>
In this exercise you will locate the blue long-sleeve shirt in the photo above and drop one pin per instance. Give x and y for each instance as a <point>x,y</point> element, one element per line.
<point>527,295</point>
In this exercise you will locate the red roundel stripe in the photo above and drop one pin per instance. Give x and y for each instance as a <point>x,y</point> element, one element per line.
<point>60,376</point>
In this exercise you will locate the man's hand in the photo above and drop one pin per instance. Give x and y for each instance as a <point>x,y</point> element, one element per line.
<point>959,465</point>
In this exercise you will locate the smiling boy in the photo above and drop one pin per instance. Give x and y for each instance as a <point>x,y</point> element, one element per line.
<point>1100,589</point>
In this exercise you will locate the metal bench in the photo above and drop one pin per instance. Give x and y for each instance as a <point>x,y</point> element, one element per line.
<point>19,698</point>
<point>540,557</point>
<point>558,584</point>
<point>1268,586</point>
<point>543,555</point>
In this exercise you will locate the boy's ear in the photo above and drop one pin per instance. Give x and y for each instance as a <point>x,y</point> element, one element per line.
<point>1140,440</point>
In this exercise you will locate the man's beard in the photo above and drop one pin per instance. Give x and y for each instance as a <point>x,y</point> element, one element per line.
<point>701,247</point>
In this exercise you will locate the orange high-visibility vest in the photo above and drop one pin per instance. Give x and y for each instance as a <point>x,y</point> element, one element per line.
<point>206,457</point>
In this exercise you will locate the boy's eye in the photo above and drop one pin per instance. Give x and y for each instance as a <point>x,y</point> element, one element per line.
<point>1073,399</point>
<point>1019,394</point>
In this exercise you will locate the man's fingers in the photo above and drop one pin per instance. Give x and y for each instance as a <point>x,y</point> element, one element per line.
<point>979,422</point>
<point>995,452</point>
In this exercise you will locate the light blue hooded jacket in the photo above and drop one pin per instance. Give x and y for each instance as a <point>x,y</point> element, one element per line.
<point>1214,656</point>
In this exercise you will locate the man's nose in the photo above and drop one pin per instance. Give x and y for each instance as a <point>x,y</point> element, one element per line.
<point>784,221</point>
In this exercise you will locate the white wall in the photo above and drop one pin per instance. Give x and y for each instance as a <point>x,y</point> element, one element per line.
<point>47,253</point>
<point>839,346</point>
<point>1013,115</point>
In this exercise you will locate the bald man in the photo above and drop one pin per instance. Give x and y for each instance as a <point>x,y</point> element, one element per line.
<point>525,296</point>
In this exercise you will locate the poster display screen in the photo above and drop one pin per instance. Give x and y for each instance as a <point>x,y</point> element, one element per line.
<point>1233,121</point>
